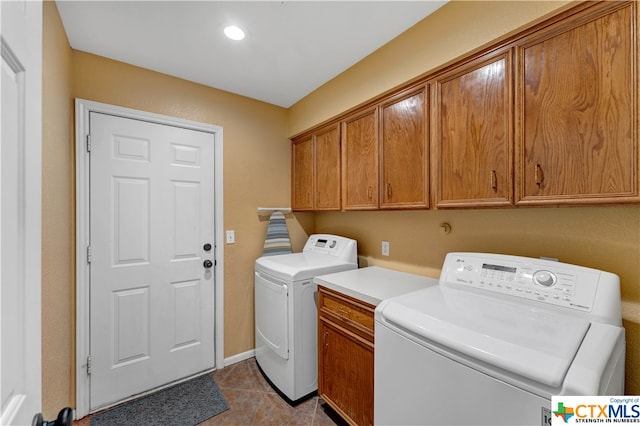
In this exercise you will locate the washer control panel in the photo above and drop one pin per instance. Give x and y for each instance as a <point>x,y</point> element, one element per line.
<point>538,280</point>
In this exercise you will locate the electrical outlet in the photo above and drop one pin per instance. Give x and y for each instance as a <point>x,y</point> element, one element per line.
<point>385,248</point>
<point>231,236</point>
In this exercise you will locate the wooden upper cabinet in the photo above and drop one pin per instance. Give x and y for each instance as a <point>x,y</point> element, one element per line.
<point>302,189</point>
<point>404,151</point>
<point>316,171</point>
<point>577,140</point>
<point>472,125</point>
<point>327,169</point>
<point>360,161</point>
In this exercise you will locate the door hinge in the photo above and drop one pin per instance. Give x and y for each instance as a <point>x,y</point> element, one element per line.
<point>88,143</point>
<point>88,365</point>
<point>88,254</point>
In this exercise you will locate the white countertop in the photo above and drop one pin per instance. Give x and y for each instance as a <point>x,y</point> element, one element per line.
<point>374,284</point>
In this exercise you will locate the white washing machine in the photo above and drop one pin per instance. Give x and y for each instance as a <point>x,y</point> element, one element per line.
<point>286,311</point>
<point>494,340</point>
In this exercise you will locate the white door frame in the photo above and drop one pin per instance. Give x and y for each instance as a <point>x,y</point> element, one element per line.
<point>83,108</point>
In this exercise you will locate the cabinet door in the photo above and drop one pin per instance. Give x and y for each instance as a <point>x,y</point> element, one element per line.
<point>346,373</point>
<point>360,162</point>
<point>473,133</point>
<point>327,169</point>
<point>302,174</point>
<point>404,151</point>
<point>578,88</point>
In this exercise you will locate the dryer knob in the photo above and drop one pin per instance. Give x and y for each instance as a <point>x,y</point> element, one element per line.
<point>544,278</point>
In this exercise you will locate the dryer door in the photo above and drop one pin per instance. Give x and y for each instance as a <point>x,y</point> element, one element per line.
<point>271,300</point>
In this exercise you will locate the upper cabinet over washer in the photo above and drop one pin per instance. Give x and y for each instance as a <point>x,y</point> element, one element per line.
<point>577,109</point>
<point>473,133</point>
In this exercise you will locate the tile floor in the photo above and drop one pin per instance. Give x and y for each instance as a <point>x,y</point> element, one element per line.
<point>252,401</point>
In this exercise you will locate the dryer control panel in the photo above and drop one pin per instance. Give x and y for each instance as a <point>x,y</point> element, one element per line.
<point>539,280</point>
<point>333,245</point>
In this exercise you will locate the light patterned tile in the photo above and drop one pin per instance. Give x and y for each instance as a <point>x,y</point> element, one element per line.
<point>243,375</point>
<point>275,411</point>
<point>243,405</point>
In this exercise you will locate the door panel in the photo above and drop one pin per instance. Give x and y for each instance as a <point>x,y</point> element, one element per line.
<point>151,302</point>
<point>185,219</point>
<point>131,331</point>
<point>186,311</point>
<point>131,220</point>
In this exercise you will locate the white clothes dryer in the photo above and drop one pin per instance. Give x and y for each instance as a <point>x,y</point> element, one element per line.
<point>286,311</point>
<point>494,340</point>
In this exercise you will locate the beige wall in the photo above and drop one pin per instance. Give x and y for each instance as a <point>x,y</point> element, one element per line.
<point>605,238</point>
<point>58,287</point>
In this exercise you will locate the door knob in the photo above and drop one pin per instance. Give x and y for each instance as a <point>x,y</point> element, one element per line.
<point>207,264</point>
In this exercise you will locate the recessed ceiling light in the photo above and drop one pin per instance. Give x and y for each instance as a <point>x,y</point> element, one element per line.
<point>234,33</point>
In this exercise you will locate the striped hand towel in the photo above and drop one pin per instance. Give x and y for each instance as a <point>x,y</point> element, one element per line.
<point>277,240</point>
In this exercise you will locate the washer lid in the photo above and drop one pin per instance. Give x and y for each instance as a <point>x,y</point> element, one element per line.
<point>533,343</point>
<point>301,266</point>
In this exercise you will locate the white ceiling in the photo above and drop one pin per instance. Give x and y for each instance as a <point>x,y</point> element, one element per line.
<point>291,48</point>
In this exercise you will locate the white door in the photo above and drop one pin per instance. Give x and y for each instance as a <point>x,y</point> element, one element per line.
<point>20,211</point>
<point>151,231</point>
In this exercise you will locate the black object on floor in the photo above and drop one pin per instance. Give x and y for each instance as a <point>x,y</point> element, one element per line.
<point>65,418</point>
<point>185,404</point>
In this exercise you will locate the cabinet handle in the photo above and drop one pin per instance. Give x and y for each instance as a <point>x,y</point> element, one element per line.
<point>324,339</point>
<point>493,179</point>
<point>389,190</point>
<point>369,191</point>
<point>538,175</point>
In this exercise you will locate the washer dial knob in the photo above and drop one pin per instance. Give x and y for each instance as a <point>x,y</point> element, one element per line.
<point>544,278</point>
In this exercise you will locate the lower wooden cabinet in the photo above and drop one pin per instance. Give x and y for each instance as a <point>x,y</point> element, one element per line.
<point>345,355</point>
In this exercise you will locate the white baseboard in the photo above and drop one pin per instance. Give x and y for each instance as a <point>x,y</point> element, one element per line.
<point>239,357</point>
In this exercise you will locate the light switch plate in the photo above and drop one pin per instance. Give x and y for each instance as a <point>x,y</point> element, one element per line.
<point>385,248</point>
<point>231,236</point>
